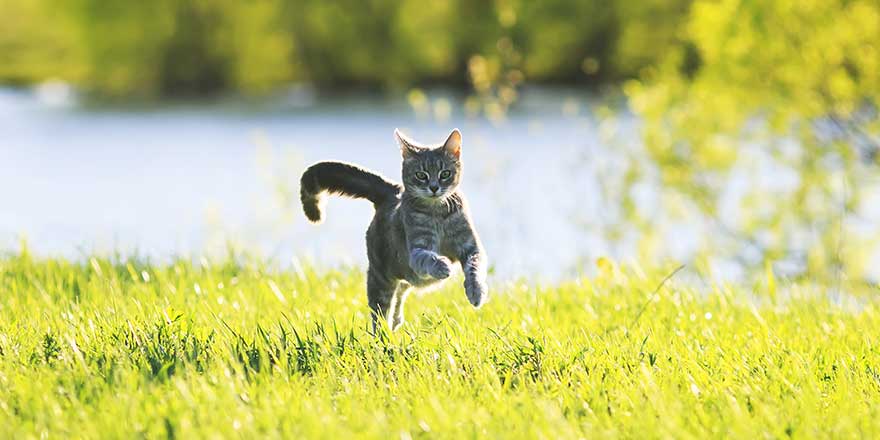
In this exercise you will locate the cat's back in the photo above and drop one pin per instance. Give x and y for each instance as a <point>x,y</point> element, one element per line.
<point>387,215</point>
<point>385,236</point>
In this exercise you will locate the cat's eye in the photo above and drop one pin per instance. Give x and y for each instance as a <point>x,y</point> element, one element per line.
<point>421,176</point>
<point>446,174</point>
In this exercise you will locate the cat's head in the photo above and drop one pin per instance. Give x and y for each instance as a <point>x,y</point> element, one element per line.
<point>431,172</point>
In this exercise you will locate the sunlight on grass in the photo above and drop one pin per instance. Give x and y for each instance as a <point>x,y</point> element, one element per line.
<point>123,349</point>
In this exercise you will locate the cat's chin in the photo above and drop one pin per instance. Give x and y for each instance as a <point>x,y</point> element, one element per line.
<point>436,199</point>
<point>432,198</point>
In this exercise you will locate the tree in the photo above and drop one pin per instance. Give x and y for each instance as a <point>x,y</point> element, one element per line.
<point>766,118</point>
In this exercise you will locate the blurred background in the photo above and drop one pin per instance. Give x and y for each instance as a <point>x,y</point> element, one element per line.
<point>739,137</point>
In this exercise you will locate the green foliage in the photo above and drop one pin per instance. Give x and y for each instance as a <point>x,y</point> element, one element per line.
<point>173,47</point>
<point>36,43</point>
<point>125,349</point>
<point>181,47</point>
<point>767,120</point>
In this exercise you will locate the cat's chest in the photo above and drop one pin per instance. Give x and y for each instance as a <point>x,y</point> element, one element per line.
<point>439,227</point>
<point>445,238</point>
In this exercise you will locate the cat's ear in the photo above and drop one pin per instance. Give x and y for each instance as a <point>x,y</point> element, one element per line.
<point>407,146</point>
<point>453,144</point>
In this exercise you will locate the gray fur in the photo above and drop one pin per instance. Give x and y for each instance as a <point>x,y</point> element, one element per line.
<point>419,230</point>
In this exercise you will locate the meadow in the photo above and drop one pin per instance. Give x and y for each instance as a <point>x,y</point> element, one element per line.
<point>236,348</point>
<point>739,137</point>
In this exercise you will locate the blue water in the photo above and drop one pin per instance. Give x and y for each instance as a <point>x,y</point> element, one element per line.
<point>187,179</point>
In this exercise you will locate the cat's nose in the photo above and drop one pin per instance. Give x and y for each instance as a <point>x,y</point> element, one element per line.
<point>434,188</point>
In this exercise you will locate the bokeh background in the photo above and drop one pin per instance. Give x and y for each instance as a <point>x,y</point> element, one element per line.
<point>735,136</point>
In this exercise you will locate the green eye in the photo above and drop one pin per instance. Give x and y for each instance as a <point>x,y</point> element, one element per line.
<point>421,176</point>
<point>445,174</point>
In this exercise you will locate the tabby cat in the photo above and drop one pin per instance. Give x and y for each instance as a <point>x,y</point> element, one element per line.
<point>419,230</point>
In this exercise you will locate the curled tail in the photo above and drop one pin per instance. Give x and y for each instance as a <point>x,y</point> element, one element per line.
<point>343,179</point>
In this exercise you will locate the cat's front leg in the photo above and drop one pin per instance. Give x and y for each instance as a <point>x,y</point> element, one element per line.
<point>429,263</point>
<point>422,244</point>
<point>475,287</point>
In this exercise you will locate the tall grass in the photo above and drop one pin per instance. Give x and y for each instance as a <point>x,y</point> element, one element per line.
<point>122,349</point>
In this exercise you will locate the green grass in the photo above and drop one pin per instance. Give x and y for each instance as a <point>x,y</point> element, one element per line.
<point>124,350</point>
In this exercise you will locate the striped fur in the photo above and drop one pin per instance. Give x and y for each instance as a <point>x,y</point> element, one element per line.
<point>418,231</point>
<point>342,179</point>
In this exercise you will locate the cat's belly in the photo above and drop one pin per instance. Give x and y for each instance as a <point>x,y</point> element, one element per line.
<point>423,282</point>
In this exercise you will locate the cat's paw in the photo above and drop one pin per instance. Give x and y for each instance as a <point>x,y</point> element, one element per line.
<point>441,268</point>
<point>477,291</point>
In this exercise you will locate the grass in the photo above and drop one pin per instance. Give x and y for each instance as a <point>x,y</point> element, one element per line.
<point>125,349</point>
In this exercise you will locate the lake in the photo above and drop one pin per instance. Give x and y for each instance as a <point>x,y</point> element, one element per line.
<point>187,179</point>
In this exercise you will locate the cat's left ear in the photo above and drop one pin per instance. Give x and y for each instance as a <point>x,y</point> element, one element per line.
<point>453,144</point>
<point>407,146</point>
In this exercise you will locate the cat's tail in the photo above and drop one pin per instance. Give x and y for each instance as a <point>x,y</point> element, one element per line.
<point>342,179</point>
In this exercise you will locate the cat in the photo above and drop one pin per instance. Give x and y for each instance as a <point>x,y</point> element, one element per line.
<point>420,227</point>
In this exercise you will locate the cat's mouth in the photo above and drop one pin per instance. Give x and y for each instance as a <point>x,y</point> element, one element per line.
<point>433,198</point>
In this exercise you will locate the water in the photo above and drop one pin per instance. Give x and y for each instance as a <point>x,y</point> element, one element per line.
<point>188,179</point>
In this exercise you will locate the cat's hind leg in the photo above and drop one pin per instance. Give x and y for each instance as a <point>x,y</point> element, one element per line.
<point>400,294</point>
<point>380,294</point>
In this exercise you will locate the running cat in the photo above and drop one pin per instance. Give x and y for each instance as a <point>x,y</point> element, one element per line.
<point>419,230</point>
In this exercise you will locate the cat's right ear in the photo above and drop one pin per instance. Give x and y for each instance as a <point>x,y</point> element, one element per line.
<point>407,146</point>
